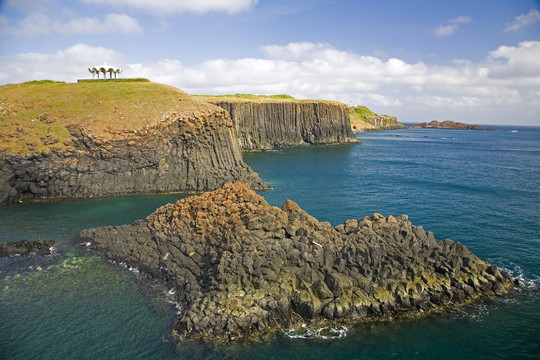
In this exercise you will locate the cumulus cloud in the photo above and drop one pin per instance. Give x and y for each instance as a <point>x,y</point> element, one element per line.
<point>65,65</point>
<point>523,20</point>
<point>520,64</point>
<point>165,7</point>
<point>451,26</point>
<point>506,80</point>
<point>37,24</point>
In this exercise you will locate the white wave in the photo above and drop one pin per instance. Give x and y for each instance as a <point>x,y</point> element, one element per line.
<point>476,312</point>
<point>529,281</point>
<point>325,333</point>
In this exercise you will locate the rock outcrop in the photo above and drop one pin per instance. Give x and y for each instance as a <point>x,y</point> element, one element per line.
<point>192,151</point>
<point>363,119</point>
<point>240,267</point>
<point>23,247</point>
<point>448,124</point>
<point>268,124</point>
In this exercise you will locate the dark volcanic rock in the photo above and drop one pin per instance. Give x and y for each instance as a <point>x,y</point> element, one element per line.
<point>181,152</point>
<point>242,267</point>
<point>24,247</point>
<point>263,125</point>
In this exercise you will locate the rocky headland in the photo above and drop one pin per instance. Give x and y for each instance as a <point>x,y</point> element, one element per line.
<point>240,268</point>
<point>265,122</point>
<point>448,124</point>
<point>106,138</point>
<point>363,119</point>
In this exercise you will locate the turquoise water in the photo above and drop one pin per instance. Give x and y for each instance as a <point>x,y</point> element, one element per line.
<point>478,187</point>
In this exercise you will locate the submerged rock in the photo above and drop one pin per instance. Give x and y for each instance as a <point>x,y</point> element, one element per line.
<point>242,267</point>
<point>24,247</point>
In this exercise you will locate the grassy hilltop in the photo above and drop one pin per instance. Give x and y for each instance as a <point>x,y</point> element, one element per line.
<point>35,116</point>
<point>363,118</point>
<point>258,98</point>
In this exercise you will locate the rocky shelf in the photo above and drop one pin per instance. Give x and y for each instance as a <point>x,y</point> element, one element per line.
<point>241,268</point>
<point>41,246</point>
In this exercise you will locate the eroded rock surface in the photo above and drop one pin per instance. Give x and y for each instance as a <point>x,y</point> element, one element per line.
<point>263,125</point>
<point>194,151</point>
<point>241,267</point>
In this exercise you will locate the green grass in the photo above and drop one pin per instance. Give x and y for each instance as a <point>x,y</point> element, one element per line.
<point>34,116</point>
<point>113,80</point>
<point>37,82</point>
<point>252,96</point>
<point>361,112</point>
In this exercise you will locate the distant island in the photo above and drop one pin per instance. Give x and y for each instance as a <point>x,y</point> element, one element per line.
<point>448,124</point>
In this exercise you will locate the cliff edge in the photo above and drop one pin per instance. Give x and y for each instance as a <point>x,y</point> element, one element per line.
<point>108,138</point>
<point>263,122</point>
<point>240,267</point>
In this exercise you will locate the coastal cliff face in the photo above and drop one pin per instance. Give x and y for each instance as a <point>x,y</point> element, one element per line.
<point>240,267</point>
<point>263,125</point>
<point>183,149</point>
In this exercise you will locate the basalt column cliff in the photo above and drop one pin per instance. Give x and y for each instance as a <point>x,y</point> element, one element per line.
<point>189,146</point>
<point>263,123</point>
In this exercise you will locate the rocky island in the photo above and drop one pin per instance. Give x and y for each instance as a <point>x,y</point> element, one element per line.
<point>239,267</point>
<point>448,124</point>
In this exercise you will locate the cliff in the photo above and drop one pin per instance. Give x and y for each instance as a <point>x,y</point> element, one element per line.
<point>240,267</point>
<point>363,119</point>
<point>448,124</point>
<point>266,122</point>
<point>92,139</point>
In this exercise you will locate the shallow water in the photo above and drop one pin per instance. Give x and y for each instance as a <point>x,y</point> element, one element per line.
<point>481,188</point>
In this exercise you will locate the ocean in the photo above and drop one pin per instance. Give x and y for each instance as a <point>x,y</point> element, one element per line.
<point>481,188</point>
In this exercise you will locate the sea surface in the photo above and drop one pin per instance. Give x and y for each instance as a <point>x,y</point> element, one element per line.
<point>481,188</point>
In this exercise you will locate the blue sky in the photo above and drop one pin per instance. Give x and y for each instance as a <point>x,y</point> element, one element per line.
<point>473,61</point>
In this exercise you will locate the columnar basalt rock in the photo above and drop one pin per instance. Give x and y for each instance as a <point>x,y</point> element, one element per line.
<point>263,125</point>
<point>194,151</point>
<point>241,267</point>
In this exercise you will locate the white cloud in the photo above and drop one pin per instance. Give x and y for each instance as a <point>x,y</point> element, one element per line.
<point>452,25</point>
<point>166,7</point>
<point>65,65</point>
<point>38,24</point>
<point>506,81</point>
<point>518,64</point>
<point>531,18</point>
